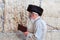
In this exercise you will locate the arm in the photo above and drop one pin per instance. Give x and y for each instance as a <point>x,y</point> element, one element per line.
<point>30,36</point>
<point>40,31</point>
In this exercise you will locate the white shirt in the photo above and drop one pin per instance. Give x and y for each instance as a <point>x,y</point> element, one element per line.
<point>41,28</point>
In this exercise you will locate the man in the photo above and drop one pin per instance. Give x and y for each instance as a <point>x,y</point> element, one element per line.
<point>39,27</point>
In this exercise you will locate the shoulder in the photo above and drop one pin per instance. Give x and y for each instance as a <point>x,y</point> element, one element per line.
<point>41,22</point>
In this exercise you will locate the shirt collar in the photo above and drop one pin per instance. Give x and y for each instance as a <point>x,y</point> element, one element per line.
<point>37,18</point>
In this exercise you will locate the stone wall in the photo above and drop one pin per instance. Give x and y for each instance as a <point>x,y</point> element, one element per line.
<point>13,12</point>
<point>52,12</point>
<point>52,18</point>
<point>1,15</point>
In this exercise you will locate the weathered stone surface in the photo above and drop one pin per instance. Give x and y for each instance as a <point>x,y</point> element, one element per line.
<point>1,15</point>
<point>51,12</point>
<point>15,12</point>
<point>12,36</point>
<point>53,35</point>
<point>12,14</point>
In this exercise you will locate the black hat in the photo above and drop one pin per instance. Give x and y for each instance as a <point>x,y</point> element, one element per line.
<point>34,8</point>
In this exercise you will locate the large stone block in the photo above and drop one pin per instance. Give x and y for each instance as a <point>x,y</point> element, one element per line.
<point>12,36</point>
<point>15,12</point>
<point>51,12</point>
<point>53,35</point>
<point>1,15</point>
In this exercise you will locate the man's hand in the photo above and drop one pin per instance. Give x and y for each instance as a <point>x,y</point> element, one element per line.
<point>26,33</point>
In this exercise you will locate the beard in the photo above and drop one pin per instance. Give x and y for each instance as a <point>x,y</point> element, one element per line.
<point>32,20</point>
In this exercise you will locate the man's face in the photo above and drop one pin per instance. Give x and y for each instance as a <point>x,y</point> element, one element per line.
<point>31,17</point>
